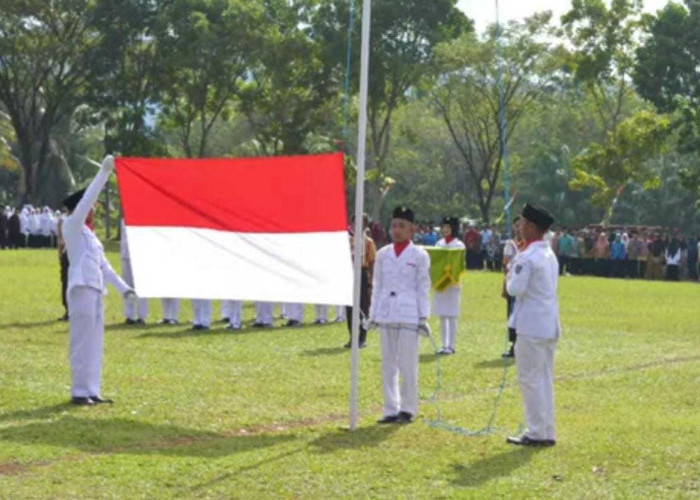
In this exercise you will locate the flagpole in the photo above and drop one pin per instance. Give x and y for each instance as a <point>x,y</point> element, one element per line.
<point>359,209</point>
<point>503,130</point>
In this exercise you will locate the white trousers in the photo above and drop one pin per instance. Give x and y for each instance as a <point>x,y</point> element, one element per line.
<point>340,314</point>
<point>295,312</point>
<point>235,312</point>
<point>321,312</point>
<point>86,340</point>
<point>264,312</point>
<point>129,306</point>
<point>399,361</point>
<point>226,309</point>
<point>448,328</point>
<point>171,308</point>
<point>534,358</point>
<point>201,310</point>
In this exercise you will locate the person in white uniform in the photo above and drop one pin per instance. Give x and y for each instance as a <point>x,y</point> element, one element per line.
<point>171,311</point>
<point>264,312</point>
<point>321,311</point>
<point>532,280</point>
<point>400,307</point>
<point>235,314</point>
<point>446,304</point>
<point>87,274</point>
<point>295,314</point>
<point>201,311</point>
<point>135,313</point>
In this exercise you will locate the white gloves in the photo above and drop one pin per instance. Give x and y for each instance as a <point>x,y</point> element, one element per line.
<point>370,324</point>
<point>108,164</point>
<point>130,295</point>
<point>424,328</point>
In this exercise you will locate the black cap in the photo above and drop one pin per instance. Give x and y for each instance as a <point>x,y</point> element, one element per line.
<point>72,201</point>
<point>453,222</point>
<point>538,216</point>
<point>403,213</point>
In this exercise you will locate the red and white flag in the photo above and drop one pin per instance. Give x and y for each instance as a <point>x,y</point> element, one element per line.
<point>263,229</point>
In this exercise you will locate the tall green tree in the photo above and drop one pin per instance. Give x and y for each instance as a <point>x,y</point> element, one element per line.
<point>404,36</point>
<point>43,70</point>
<point>623,158</point>
<point>468,99</point>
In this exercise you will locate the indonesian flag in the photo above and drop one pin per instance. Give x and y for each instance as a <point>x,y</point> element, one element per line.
<point>262,229</point>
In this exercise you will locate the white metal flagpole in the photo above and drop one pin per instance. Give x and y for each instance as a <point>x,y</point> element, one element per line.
<point>359,208</point>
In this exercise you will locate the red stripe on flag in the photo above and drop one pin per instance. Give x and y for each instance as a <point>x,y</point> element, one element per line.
<point>254,195</point>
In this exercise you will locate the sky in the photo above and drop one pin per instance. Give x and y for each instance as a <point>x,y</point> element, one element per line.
<point>483,12</point>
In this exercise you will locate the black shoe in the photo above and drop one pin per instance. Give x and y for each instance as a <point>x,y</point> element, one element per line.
<point>197,327</point>
<point>258,325</point>
<point>510,353</point>
<point>293,322</point>
<point>140,322</point>
<point>527,441</point>
<point>98,400</point>
<point>164,322</point>
<point>172,322</point>
<point>225,320</point>
<point>64,317</point>
<point>233,327</point>
<point>82,401</point>
<point>404,418</point>
<point>391,419</point>
<point>130,321</point>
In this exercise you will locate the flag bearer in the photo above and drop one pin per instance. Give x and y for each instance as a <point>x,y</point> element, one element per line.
<point>400,307</point>
<point>447,302</point>
<point>87,274</point>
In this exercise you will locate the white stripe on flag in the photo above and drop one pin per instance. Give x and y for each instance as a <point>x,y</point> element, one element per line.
<point>182,262</point>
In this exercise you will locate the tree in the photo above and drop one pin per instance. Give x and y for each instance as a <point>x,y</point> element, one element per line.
<point>604,41</point>
<point>42,71</point>
<point>404,36</point>
<point>292,93</point>
<point>206,53</point>
<point>607,168</point>
<point>467,95</point>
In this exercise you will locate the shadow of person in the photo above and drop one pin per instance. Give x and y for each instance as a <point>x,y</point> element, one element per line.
<point>481,471</point>
<point>34,324</point>
<point>344,439</point>
<point>134,437</point>
<point>131,328</point>
<point>189,332</point>
<point>325,351</point>
<point>427,358</point>
<point>495,363</point>
<point>37,413</point>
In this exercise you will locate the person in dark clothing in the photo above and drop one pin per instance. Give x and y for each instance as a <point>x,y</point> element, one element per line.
<point>4,219</point>
<point>693,259</point>
<point>14,236</point>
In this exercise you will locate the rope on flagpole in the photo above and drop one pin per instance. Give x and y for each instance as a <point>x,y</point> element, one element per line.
<point>348,70</point>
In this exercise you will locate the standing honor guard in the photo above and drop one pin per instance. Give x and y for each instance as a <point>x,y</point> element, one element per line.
<point>135,313</point>
<point>400,307</point>
<point>87,274</point>
<point>201,311</point>
<point>446,302</point>
<point>532,280</point>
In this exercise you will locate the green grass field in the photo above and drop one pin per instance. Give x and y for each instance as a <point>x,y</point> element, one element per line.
<point>261,413</point>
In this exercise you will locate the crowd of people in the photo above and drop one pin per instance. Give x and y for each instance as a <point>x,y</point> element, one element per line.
<point>28,227</point>
<point>617,252</point>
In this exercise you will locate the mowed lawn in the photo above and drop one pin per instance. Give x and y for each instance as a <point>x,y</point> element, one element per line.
<point>259,414</point>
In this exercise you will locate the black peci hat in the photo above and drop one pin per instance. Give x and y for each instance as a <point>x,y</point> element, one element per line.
<point>72,201</point>
<point>453,222</point>
<point>403,213</point>
<point>538,216</point>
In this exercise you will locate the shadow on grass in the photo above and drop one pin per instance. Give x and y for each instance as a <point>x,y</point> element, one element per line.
<point>427,358</point>
<point>35,324</point>
<point>343,439</point>
<point>189,332</point>
<point>46,411</point>
<point>134,437</point>
<point>325,351</point>
<point>495,363</point>
<point>481,471</point>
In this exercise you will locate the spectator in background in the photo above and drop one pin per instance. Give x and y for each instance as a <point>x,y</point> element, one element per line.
<point>617,257</point>
<point>601,254</point>
<point>683,266</point>
<point>655,261</point>
<point>673,259</point>
<point>472,240</point>
<point>493,249</point>
<point>486,237</point>
<point>430,237</point>
<point>632,262</point>
<point>565,250</point>
<point>692,259</point>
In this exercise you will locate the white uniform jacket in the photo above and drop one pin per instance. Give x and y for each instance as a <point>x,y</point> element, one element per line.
<point>88,265</point>
<point>532,280</point>
<point>401,286</point>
